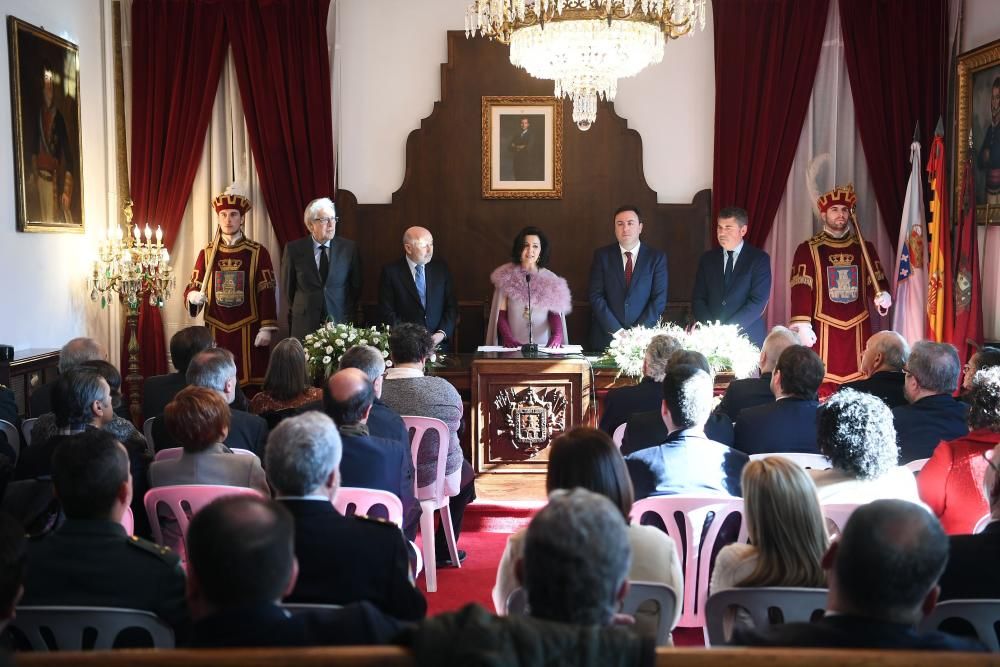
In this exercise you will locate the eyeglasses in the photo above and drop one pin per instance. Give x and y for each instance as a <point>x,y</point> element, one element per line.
<point>326,221</point>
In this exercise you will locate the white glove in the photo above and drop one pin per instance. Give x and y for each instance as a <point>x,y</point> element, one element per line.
<point>264,337</point>
<point>883,300</point>
<point>196,298</point>
<point>805,333</point>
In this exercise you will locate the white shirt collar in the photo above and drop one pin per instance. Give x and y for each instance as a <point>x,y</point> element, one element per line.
<point>396,373</point>
<point>634,251</point>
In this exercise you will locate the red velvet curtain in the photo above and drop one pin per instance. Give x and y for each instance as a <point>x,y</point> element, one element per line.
<point>766,55</point>
<point>283,68</point>
<point>177,56</point>
<point>896,52</point>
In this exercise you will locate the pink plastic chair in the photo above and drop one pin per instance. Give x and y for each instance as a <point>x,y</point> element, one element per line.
<point>184,501</point>
<point>128,521</point>
<point>619,435</point>
<point>354,500</point>
<point>836,515</point>
<point>432,497</point>
<point>175,453</point>
<point>695,557</point>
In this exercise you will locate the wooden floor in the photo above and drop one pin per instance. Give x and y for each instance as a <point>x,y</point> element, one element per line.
<point>510,487</point>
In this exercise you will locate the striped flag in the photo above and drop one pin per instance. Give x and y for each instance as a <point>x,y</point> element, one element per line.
<point>910,287</point>
<point>968,336</point>
<point>940,307</point>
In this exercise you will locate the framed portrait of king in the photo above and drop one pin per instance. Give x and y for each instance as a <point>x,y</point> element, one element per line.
<point>978,117</point>
<point>522,147</point>
<point>45,114</point>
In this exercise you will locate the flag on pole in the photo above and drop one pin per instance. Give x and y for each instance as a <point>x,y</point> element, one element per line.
<point>910,285</point>
<point>968,335</point>
<point>940,309</point>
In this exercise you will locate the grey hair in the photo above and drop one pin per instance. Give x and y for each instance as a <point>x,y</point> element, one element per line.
<point>77,351</point>
<point>365,358</point>
<point>314,206</point>
<point>984,411</point>
<point>935,366</point>
<point>856,432</point>
<point>780,339</point>
<point>211,368</point>
<point>576,557</point>
<point>894,349</point>
<point>301,453</point>
<point>658,354</point>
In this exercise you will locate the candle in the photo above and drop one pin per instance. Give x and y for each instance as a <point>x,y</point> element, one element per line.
<point>159,235</point>
<point>136,233</point>
<point>149,233</point>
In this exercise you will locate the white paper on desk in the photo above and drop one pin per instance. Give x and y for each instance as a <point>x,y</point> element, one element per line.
<point>565,349</point>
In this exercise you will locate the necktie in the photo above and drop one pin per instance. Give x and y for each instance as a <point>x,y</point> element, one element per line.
<point>628,268</point>
<point>418,278</point>
<point>324,263</point>
<point>727,276</point>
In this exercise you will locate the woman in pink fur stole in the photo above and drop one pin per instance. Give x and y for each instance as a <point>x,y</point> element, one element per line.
<point>510,317</point>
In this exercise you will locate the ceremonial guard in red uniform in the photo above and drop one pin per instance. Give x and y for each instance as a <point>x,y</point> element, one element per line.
<point>831,289</point>
<point>239,296</point>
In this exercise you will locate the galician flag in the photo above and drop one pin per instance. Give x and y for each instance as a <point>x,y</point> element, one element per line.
<point>910,285</point>
<point>940,280</point>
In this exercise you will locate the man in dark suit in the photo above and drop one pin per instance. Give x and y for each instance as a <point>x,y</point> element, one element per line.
<point>882,362</point>
<point>90,560</point>
<point>418,289</point>
<point>628,282</point>
<point>688,462</point>
<point>341,559</point>
<point>789,423</point>
<point>932,414</point>
<point>241,563</point>
<point>72,354</point>
<point>383,421</point>
<point>321,273</point>
<point>882,575</point>
<point>750,392</point>
<point>370,462</point>
<point>648,394</point>
<point>215,368</point>
<point>733,283</point>
<point>526,153</point>
<point>159,390</point>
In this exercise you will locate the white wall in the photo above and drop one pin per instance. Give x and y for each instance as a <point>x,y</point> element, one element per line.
<point>44,301</point>
<point>388,56</point>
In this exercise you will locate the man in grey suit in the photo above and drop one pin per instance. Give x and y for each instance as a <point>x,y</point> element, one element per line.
<point>321,273</point>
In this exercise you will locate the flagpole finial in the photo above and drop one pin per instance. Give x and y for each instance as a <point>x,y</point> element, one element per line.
<point>939,130</point>
<point>916,132</point>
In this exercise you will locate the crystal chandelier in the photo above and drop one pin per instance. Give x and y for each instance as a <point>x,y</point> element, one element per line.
<point>585,46</point>
<point>132,267</point>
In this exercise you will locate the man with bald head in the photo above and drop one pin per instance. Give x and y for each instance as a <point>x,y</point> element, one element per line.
<point>417,288</point>
<point>369,462</point>
<point>882,363</point>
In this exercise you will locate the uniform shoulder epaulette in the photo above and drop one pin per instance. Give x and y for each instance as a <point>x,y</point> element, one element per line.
<point>164,553</point>
<point>374,520</point>
<point>252,244</point>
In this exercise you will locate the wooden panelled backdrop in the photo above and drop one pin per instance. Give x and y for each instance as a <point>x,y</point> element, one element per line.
<point>441,190</point>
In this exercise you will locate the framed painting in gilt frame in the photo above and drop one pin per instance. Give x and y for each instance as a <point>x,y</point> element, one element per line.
<point>522,147</point>
<point>45,113</point>
<point>978,103</point>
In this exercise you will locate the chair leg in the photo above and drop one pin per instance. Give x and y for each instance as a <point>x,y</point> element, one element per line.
<point>427,537</point>
<point>449,533</point>
<point>418,565</point>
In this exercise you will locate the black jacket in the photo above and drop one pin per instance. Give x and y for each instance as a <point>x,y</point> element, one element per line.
<point>887,385</point>
<point>746,393</point>
<point>398,300</point>
<point>646,429</point>
<point>621,402</point>
<point>246,431</point>
<point>377,463</point>
<point>788,425</point>
<point>688,462</point>
<point>922,425</point>
<point>971,571</point>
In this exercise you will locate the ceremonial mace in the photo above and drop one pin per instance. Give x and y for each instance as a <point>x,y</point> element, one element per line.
<point>868,262</point>
<point>208,267</point>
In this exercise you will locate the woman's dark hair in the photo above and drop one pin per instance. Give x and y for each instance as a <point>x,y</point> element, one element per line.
<point>515,250</point>
<point>410,343</point>
<point>286,371</point>
<point>111,376</point>
<point>588,458</point>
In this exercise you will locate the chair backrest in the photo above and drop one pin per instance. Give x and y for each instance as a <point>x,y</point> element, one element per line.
<point>175,453</point>
<point>664,596</point>
<point>417,427</point>
<point>128,521</point>
<point>13,437</point>
<point>619,434</point>
<point>982,615</point>
<point>147,430</point>
<point>807,461</point>
<point>837,514</point>
<point>295,607</point>
<point>184,501</point>
<point>916,466</point>
<point>794,604</point>
<point>67,628</point>
<point>26,427</point>
<point>982,523</point>
<point>353,500</point>
<point>703,517</point>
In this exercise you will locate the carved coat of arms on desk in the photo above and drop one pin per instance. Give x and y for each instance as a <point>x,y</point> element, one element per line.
<point>532,418</point>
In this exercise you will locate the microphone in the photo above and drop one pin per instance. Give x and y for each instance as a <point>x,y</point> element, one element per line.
<point>529,349</point>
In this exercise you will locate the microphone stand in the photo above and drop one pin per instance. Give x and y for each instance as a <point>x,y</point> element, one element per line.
<point>529,349</point>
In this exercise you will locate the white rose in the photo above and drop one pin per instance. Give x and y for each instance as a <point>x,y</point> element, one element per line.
<point>343,335</point>
<point>326,360</point>
<point>317,344</point>
<point>362,342</point>
<point>385,355</point>
<point>330,325</point>
<point>329,349</point>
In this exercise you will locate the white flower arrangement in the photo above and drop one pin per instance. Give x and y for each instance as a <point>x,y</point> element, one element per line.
<point>325,346</point>
<point>726,349</point>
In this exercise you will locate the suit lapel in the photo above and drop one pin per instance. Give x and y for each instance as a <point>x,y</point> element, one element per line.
<point>309,255</point>
<point>411,285</point>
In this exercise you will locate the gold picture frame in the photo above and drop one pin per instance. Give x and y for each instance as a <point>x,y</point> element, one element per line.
<point>522,147</point>
<point>978,70</point>
<point>45,111</point>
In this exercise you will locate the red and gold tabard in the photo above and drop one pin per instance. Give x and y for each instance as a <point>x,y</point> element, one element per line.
<point>832,292</point>
<point>240,301</point>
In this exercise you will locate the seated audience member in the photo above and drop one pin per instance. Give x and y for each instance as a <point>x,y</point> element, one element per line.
<point>409,392</point>
<point>932,414</point>
<point>241,563</point>
<point>215,369</point>
<point>882,575</point>
<point>8,412</point>
<point>13,550</point>
<point>159,390</point>
<point>575,573</point>
<point>687,461</point>
<point>286,382</point>
<point>786,529</point>
<point>341,559</point>
<point>383,421</point>
<point>72,354</point>
<point>751,392</point>
<point>646,429</point>
<point>90,560</point>
<point>986,357</point>
<point>789,423</point>
<point>951,481</point>
<point>972,572</point>
<point>882,362</point>
<point>854,430</point>
<point>369,462</point>
<point>643,397</point>
<point>587,458</point>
